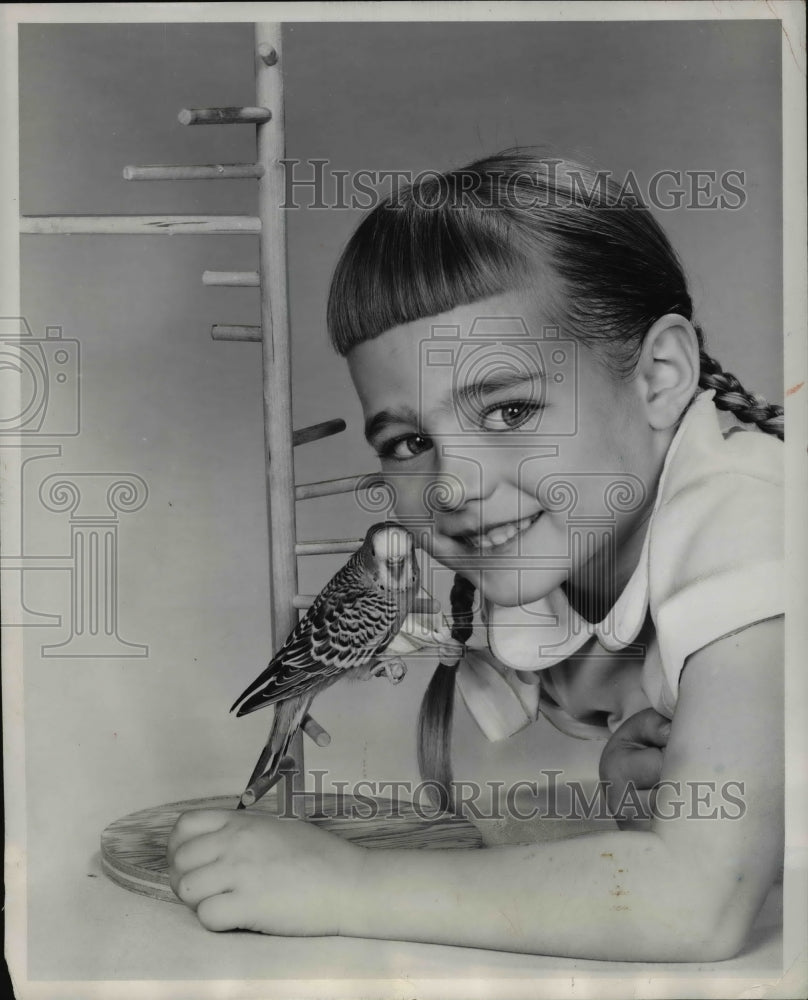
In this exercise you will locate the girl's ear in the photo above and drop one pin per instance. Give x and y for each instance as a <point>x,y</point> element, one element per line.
<point>668,370</point>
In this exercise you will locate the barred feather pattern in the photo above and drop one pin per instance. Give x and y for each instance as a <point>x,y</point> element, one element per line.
<point>350,623</point>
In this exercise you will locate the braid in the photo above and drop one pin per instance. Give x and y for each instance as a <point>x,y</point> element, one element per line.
<point>731,395</point>
<point>461,599</point>
<point>437,708</point>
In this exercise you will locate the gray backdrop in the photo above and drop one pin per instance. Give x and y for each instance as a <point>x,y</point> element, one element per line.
<point>161,400</point>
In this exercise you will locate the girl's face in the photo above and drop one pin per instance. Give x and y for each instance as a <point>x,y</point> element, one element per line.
<point>515,456</point>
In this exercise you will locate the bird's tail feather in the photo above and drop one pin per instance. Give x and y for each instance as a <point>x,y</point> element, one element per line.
<point>288,718</point>
<point>255,703</point>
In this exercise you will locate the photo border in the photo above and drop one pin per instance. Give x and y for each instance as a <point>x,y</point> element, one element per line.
<point>645,983</point>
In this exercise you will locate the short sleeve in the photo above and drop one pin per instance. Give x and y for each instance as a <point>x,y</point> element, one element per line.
<point>716,551</point>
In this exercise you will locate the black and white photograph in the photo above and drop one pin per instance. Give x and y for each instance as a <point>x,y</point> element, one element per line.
<point>403,477</point>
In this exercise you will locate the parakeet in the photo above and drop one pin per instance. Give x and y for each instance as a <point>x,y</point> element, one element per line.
<point>351,622</point>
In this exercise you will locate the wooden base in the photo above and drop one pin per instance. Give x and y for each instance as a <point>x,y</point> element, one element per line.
<point>133,849</point>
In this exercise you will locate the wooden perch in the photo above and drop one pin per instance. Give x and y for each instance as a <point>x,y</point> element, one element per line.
<point>232,279</point>
<point>262,785</point>
<point>179,172</point>
<point>315,732</point>
<point>330,487</point>
<point>134,225</point>
<point>224,116</point>
<point>327,546</point>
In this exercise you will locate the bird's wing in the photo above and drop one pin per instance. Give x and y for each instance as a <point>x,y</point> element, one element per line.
<point>348,624</point>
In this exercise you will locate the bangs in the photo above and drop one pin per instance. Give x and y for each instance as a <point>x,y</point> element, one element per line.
<point>421,253</point>
<point>602,265</point>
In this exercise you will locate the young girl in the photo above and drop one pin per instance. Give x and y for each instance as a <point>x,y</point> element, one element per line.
<point>521,339</point>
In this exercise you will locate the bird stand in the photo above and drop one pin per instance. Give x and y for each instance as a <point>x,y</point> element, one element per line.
<point>133,848</point>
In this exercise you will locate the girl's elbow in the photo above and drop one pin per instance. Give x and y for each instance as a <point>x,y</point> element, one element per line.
<point>722,925</point>
<point>717,898</point>
<point>699,940</point>
<point>720,943</point>
<point>705,919</point>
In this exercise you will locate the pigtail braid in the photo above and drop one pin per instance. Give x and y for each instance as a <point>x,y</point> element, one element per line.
<point>731,395</point>
<point>437,708</point>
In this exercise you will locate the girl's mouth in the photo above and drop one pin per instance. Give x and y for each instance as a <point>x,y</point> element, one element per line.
<point>500,535</point>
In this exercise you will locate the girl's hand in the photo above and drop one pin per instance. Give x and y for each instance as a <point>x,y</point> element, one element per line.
<point>631,764</point>
<point>261,873</point>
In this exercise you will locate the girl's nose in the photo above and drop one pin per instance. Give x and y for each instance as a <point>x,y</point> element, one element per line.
<point>459,481</point>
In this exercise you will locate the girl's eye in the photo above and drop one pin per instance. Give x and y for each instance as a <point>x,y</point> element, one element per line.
<point>400,449</point>
<point>507,416</point>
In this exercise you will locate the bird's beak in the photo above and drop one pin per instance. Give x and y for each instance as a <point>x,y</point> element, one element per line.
<point>396,568</point>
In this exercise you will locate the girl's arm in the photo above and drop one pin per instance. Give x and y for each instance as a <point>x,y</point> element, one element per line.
<point>688,890</point>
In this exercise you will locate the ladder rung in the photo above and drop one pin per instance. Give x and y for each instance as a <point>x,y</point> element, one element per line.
<point>224,116</point>
<point>315,732</point>
<point>262,785</point>
<point>326,546</point>
<point>330,487</point>
<point>124,225</point>
<point>221,331</point>
<point>232,279</point>
<point>268,54</point>
<point>316,432</point>
<point>213,172</point>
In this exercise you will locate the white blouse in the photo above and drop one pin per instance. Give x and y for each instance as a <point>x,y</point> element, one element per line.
<point>711,564</point>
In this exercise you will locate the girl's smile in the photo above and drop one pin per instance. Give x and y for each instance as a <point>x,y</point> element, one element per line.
<point>504,449</point>
<point>495,539</point>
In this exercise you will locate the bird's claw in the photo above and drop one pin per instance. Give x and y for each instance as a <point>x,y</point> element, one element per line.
<point>394,669</point>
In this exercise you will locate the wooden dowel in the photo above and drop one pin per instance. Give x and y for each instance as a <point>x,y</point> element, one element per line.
<point>276,353</point>
<point>224,116</point>
<point>232,279</point>
<point>262,785</point>
<point>268,55</point>
<point>125,225</point>
<point>330,487</point>
<point>303,601</point>
<point>326,546</point>
<point>38,562</point>
<point>214,172</point>
<point>315,732</point>
<point>316,432</point>
<point>221,331</point>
